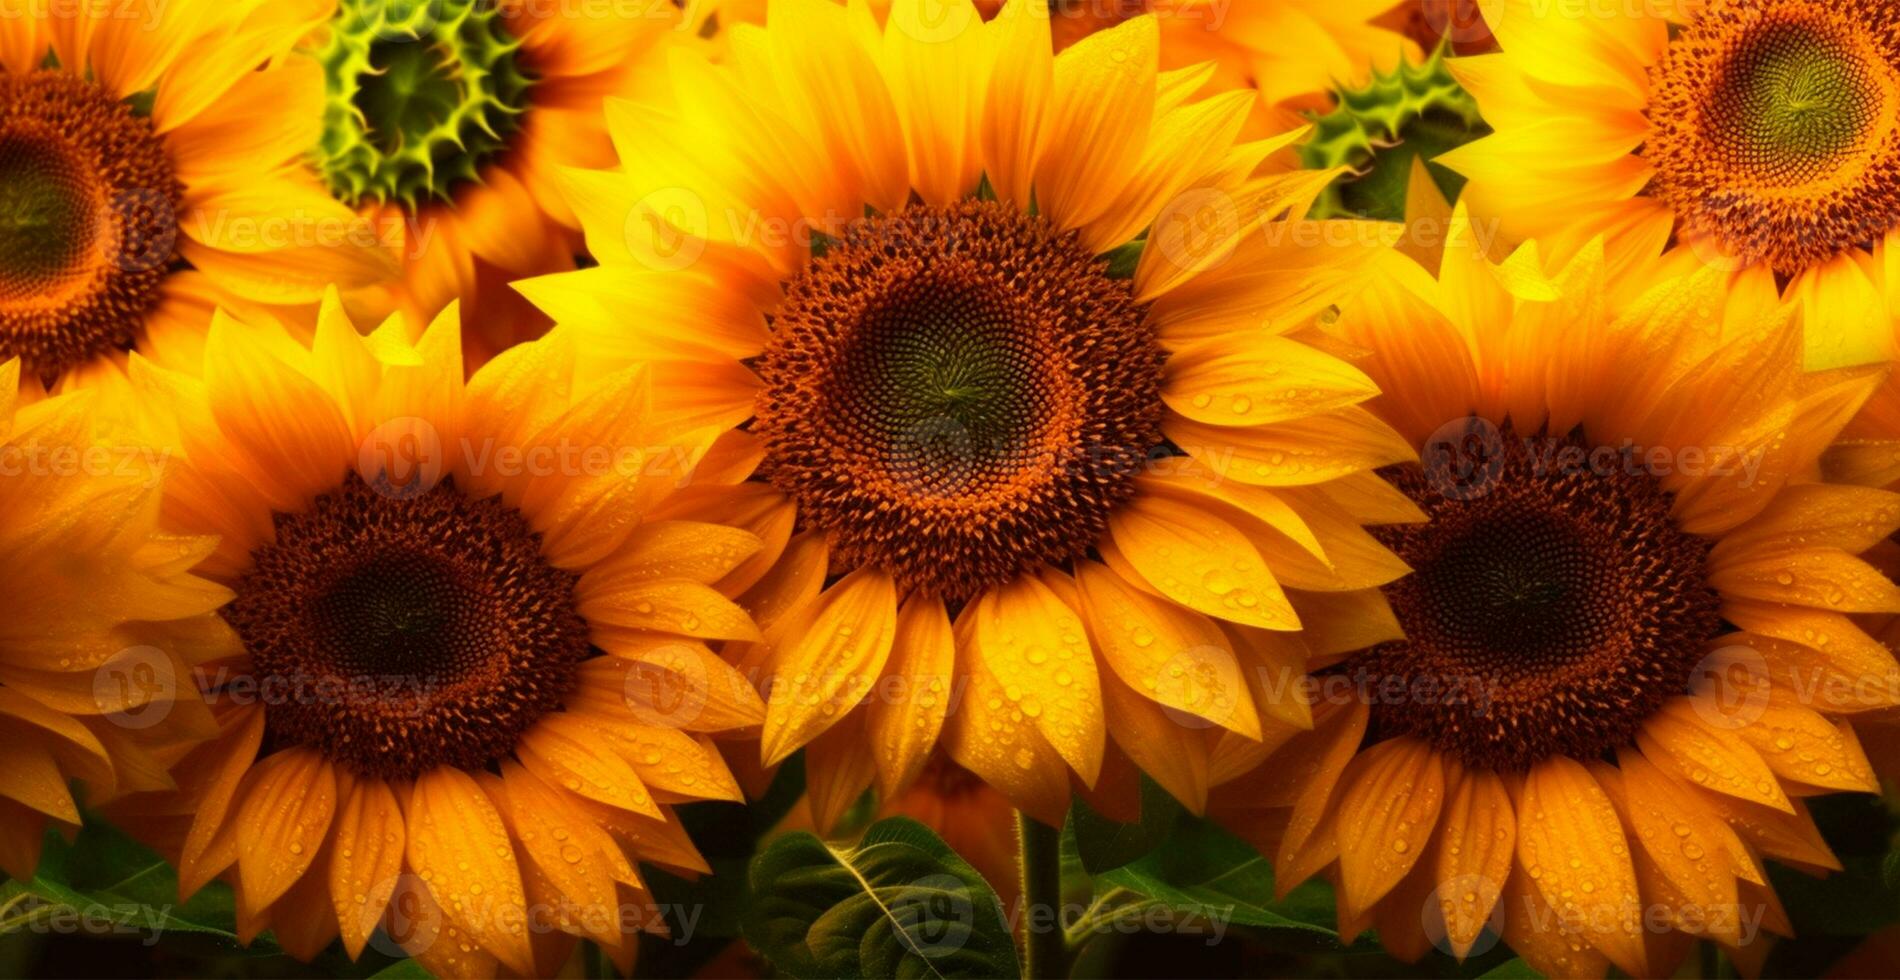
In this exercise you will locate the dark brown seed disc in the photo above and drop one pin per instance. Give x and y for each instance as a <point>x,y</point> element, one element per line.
<point>1775,127</point>
<point>1555,605</point>
<point>958,395</point>
<point>396,633</point>
<point>88,221</point>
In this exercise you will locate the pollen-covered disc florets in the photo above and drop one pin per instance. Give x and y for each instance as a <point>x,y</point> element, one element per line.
<point>958,394</point>
<point>1555,604</point>
<point>396,633</point>
<point>421,93</point>
<point>1775,127</point>
<point>88,220</point>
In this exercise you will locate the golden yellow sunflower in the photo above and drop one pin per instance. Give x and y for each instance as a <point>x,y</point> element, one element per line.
<point>949,293</point>
<point>150,168</point>
<point>1868,454</point>
<point>1759,136</point>
<point>101,619</point>
<point>446,126</point>
<point>473,678</point>
<point>1625,637</point>
<point>1293,52</point>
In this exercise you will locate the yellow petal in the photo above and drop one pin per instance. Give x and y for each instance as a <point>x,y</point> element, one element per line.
<point>282,822</point>
<point>367,858</point>
<point>1803,747</point>
<point>1099,113</point>
<point>1233,381</point>
<point>913,698</point>
<point>675,606</point>
<point>1198,560</point>
<point>1475,857</point>
<point>1572,846</point>
<point>460,846</point>
<point>1689,846</point>
<point>1819,577</point>
<point>1717,762</point>
<point>1037,648</point>
<point>569,754</point>
<point>1388,810</point>
<point>832,663</point>
<point>1167,654</point>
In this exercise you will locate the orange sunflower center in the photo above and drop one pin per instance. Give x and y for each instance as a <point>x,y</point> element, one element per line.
<point>958,395</point>
<point>1555,604</point>
<point>396,633</point>
<point>88,205</point>
<point>1775,127</point>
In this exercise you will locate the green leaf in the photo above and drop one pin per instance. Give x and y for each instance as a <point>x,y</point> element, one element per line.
<point>107,877</point>
<point>1891,871</point>
<point>403,970</point>
<point>900,903</point>
<point>1123,259</point>
<point>1513,970</point>
<point>1201,868</point>
<point>1105,844</point>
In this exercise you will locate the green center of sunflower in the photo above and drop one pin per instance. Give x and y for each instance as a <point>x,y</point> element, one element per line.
<point>422,93</point>
<point>958,395</point>
<point>1774,129</point>
<point>396,632</point>
<point>88,221</point>
<point>1555,604</point>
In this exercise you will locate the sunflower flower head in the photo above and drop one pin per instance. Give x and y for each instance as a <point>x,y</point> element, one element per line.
<point>149,171</point>
<point>460,688</point>
<point>1014,353</point>
<point>1755,136</point>
<point>101,620</point>
<point>1602,716</point>
<point>445,126</point>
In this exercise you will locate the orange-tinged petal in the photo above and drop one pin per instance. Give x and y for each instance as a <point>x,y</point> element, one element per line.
<point>1479,843</point>
<point>1803,747</point>
<point>832,663</point>
<point>838,769</point>
<point>1572,847</point>
<point>1234,382</point>
<point>667,606</point>
<point>1099,113</point>
<point>1387,811</point>
<point>1167,654</point>
<point>907,711</point>
<point>566,752</point>
<point>366,859</point>
<point>991,737</point>
<point>210,778</point>
<point>287,430</point>
<point>1818,577</point>
<point>659,680</point>
<point>1686,844</point>
<point>1716,761</point>
<point>1037,648</point>
<point>282,822</point>
<point>1173,753</point>
<point>1536,932</point>
<point>576,857</point>
<point>1198,560</point>
<point>460,846</point>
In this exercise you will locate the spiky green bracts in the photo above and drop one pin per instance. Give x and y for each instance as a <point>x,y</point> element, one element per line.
<point>421,93</point>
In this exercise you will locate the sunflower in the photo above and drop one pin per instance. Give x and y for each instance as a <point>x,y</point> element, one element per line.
<point>150,168</point>
<point>446,125</point>
<point>1868,454</point>
<point>101,620</point>
<point>1603,715</point>
<point>948,293</point>
<point>473,679</point>
<point>1759,136</point>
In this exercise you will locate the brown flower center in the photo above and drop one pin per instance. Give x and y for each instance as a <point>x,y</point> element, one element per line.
<point>88,227</point>
<point>958,395</point>
<point>1775,127</point>
<point>1555,603</point>
<point>396,633</point>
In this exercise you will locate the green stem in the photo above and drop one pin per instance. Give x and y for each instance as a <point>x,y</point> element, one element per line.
<point>1044,953</point>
